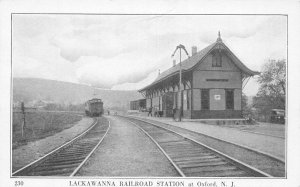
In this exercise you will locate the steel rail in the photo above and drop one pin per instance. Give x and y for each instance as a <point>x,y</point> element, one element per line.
<point>162,150</point>
<point>58,148</point>
<point>63,147</point>
<point>90,154</point>
<point>243,166</point>
<point>219,139</point>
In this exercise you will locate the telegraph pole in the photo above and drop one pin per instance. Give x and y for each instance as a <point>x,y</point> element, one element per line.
<point>180,46</point>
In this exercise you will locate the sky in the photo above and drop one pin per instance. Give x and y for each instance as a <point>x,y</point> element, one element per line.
<point>125,52</point>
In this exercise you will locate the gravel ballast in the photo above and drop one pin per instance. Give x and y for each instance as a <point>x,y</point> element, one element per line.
<point>260,161</point>
<point>126,151</point>
<point>26,154</point>
<point>271,145</point>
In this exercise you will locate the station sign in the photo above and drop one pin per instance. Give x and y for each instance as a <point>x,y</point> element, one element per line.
<point>217,97</point>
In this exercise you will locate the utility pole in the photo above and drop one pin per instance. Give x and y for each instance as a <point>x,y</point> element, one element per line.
<point>180,46</point>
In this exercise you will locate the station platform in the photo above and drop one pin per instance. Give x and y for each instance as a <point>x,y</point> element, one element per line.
<point>272,144</point>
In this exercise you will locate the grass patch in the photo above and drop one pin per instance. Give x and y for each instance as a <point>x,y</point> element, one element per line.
<point>40,125</point>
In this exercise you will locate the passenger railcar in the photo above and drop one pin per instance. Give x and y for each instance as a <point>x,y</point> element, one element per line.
<point>94,107</point>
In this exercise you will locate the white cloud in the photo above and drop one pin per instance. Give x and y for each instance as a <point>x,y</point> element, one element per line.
<point>120,52</point>
<point>103,72</point>
<point>136,86</point>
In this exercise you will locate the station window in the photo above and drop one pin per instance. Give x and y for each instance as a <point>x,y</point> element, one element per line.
<point>217,59</point>
<point>229,94</point>
<point>205,99</point>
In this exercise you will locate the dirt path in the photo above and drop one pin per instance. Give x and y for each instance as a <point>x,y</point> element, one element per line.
<point>23,155</point>
<point>127,151</point>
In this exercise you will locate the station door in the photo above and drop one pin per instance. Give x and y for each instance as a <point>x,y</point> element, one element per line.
<point>167,104</point>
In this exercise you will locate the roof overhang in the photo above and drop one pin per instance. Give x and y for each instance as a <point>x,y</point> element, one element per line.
<point>220,45</point>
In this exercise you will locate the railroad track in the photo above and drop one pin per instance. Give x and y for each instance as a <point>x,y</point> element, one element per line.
<point>67,159</point>
<point>192,158</point>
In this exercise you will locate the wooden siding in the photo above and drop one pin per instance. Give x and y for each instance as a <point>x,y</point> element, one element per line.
<point>200,79</point>
<point>227,64</point>
<point>237,99</point>
<point>229,72</point>
<point>196,99</point>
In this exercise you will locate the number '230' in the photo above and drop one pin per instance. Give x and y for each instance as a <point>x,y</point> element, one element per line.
<point>19,183</point>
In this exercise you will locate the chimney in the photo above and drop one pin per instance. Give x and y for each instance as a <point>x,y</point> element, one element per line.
<point>174,63</point>
<point>194,50</point>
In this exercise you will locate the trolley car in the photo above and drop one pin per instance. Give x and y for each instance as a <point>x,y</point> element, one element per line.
<point>94,107</point>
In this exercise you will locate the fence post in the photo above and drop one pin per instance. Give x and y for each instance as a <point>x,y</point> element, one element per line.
<point>24,119</point>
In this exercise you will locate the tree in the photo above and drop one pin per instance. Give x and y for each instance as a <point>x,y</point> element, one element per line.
<point>244,101</point>
<point>246,109</point>
<point>271,93</point>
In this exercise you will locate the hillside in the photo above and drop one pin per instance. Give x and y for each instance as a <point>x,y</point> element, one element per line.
<point>30,89</point>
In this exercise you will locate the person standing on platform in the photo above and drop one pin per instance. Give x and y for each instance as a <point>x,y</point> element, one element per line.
<point>174,113</point>
<point>150,111</point>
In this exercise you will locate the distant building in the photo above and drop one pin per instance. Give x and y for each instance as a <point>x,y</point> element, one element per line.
<point>211,87</point>
<point>139,104</point>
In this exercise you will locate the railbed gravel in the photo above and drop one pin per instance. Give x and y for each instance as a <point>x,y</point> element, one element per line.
<point>126,151</point>
<point>259,161</point>
<point>26,154</point>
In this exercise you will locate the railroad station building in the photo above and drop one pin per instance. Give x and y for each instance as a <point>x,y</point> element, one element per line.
<point>212,82</point>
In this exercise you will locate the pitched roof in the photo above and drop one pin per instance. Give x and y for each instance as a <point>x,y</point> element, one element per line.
<point>192,61</point>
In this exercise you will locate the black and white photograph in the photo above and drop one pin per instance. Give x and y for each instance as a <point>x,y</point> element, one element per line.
<point>161,95</point>
<point>149,99</point>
